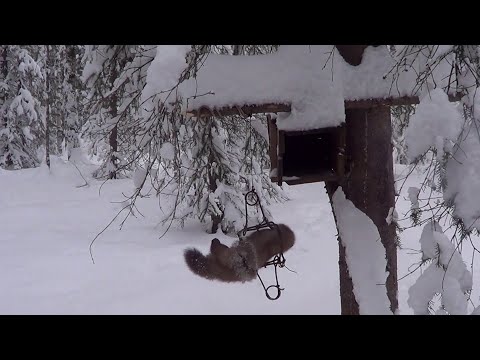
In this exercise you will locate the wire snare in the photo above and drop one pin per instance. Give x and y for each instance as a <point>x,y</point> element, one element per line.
<point>252,199</point>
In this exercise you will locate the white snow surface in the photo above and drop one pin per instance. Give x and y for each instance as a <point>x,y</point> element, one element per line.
<point>47,224</point>
<point>48,221</point>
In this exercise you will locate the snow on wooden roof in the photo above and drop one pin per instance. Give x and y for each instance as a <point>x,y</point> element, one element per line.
<point>312,84</point>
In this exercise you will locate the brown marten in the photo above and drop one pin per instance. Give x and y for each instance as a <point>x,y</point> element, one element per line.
<point>240,262</point>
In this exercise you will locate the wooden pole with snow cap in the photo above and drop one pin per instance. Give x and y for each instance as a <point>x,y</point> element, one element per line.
<point>337,130</point>
<point>369,184</point>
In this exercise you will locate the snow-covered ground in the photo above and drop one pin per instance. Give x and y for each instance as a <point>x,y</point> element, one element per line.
<point>47,224</point>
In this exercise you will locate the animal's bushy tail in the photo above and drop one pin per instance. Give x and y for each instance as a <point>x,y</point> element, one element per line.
<point>197,262</point>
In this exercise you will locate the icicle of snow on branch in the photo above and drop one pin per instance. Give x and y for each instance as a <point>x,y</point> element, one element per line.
<point>163,75</point>
<point>435,122</point>
<point>463,177</point>
<point>447,275</point>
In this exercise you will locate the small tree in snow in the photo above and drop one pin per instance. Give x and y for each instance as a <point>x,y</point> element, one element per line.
<point>21,117</point>
<point>104,65</point>
<point>117,130</point>
<point>64,96</point>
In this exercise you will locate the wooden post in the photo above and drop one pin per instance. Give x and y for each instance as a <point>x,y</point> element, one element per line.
<point>273,143</point>
<point>369,184</point>
<point>281,152</point>
<point>340,151</point>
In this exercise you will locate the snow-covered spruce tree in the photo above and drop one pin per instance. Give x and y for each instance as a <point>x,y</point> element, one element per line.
<point>237,150</point>
<point>220,161</point>
<point>444,135</point>
<point>21,117</point>
<point>212,189</point>
<point>64,96</point>
<point>206,165</point>
<point>116,130</point>
<point>73,87</point>
<point>60,97</point>
<point>251,141</point>
<point>46,54</point>
<point>102,66</point>
<point>136,132</point>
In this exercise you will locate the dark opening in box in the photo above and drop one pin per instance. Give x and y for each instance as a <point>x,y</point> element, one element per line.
<point>309,153</point>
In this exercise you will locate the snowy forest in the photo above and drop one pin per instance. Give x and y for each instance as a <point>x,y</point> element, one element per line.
<point>115,159</point>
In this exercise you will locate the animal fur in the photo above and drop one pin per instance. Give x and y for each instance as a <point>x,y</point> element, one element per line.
<point>240,262</point>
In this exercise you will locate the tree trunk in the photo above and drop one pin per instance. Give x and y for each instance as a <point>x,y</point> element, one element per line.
<point>113,148</point>
<point>212,186</point>
<point>348,303</point>
<point>48,114</point>
<point>369,183</point>
<point>113,138</point>
<point>71,126</point>
<point>59,106</point>
<point>238,49</point>
<point>60,130</point>
<point>113,135</point>
<point>3,114</point>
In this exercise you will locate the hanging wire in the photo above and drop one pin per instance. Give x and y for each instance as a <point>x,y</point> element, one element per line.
<point>252,199</point>
<point>250,142</point>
